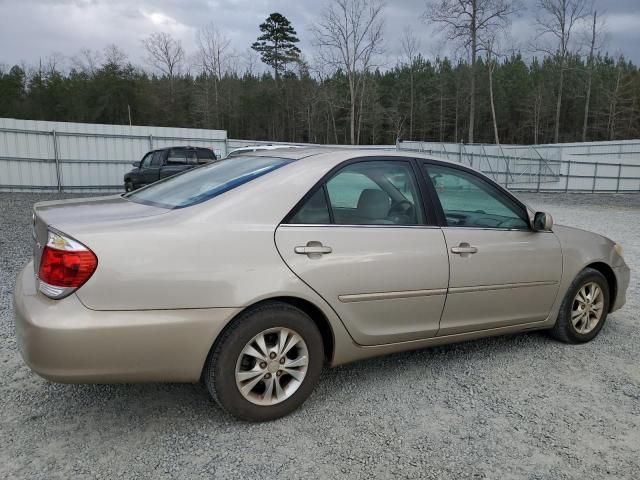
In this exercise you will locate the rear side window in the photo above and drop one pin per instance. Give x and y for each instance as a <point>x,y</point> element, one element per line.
<point>205,155</point>
<point>365,193</point>
<point>199,184</point>
<point>176,156</point>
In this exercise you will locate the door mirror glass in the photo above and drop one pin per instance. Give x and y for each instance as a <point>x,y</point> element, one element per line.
<point>542,222</point>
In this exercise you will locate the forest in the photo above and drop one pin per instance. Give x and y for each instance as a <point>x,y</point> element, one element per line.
<point>568,91</point>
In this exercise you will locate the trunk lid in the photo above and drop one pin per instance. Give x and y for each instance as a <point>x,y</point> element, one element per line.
<point>64,215</point>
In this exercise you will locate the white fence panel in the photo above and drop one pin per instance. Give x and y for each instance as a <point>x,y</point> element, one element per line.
<point>80,157</point>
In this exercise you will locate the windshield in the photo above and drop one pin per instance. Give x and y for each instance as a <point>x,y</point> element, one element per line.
<point>202,183</point>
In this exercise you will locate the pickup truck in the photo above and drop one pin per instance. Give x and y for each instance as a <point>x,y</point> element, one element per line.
<point>165,162</point>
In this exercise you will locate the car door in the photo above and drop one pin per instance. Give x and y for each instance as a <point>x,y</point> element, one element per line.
<point>501,271</point>
<point>362,240</point>
<point>152,173</point>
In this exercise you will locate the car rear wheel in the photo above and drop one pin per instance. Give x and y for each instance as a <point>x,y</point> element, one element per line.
<point>266,363</point>
<point>584,308</point>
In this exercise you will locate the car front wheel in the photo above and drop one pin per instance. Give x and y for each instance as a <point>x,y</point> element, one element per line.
<point>266,363</point>
<point>128,186</point>
<point>584,308</point>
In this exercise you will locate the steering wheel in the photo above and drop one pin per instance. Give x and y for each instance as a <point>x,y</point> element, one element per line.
<point>510,223</point>
<point>401,211</point>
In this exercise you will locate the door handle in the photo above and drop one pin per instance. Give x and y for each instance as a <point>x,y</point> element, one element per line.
<point>464,249</point>
<point>309,249</point>
<point>313,249</point>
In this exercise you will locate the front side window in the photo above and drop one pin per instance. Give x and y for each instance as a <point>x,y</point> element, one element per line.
<point>469,201</point>
<point>146,161</point>
<point>202,183</point>
<point>365,193</point>
<point>156,161</point>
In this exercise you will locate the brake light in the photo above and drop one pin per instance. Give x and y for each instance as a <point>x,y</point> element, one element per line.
<point>65,266</point>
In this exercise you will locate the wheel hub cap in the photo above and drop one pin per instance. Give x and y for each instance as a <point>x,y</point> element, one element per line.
<point>587,308</point>
<point>272,366</point>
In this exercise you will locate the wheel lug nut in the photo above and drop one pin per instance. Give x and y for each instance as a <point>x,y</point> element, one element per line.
<point>268,375</point>
<point>272,355</point>
<point>278,373</point>
<point>263,364</point>
<point>282,361</point>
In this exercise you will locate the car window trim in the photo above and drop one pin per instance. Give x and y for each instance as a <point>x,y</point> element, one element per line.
<point>500,189</point>
<point>430,217</point>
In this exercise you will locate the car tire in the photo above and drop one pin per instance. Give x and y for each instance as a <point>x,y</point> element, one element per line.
<point>277,392</point>
<point>128,186</point>
<point>572,326</point>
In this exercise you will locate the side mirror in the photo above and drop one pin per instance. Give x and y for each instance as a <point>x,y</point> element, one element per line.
<point>136,164</point>
<point>542,222</point>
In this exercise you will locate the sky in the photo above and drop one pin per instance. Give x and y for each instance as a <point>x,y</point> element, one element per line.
<point>34,30</point>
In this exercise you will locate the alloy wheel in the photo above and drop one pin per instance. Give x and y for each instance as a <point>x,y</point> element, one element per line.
<point>272,366</point>
<point>587,308</point>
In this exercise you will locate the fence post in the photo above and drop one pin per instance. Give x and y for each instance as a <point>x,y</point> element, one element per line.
<point>618,181</point>
<point>539,166</point>
<point>506,177</point>
<point>56,157</point>
<point>566,185</point>
<point>595,176</point>
<point>150,142</point>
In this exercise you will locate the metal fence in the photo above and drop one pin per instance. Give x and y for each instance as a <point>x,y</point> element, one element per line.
<point>78,157</point>
<point>604,167</point>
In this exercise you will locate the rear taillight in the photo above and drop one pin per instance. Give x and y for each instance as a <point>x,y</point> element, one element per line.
<point>65,266</point>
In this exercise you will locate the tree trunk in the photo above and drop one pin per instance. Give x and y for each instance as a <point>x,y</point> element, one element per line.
<point>474,53</point>
<point>493,108</point>
<point>589,78</point>
<point>611,127</point>
<point>441,111</point>
<point>556,135</point>
<point>352,112</point>
<point>411,100</point>
<point>360,109</point>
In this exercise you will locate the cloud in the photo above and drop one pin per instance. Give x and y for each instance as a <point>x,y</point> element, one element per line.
<point>34,29</point>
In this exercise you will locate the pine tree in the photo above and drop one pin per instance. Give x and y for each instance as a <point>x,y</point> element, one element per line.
<point>277,44</point>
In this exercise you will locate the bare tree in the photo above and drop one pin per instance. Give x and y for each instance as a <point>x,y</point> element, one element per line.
<point>349,36</point>
<point>594,45</point>
<point>410,49</point>
<point>86,60</point>
<point>213,57</point>
<point>491,65</point>
<point>165,54</point>
<point>471,23</point>
<point>113,55</point>
<point>558,19</point>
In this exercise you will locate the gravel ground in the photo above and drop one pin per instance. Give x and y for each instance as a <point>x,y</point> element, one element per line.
<point>510,407</point>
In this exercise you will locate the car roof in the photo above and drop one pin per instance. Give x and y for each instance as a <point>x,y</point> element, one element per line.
<point>340,154</point>
<point>188,147</point>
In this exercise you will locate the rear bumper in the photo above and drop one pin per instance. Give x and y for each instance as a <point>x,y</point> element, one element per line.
<point>63,341</point>
<point>623,275</point>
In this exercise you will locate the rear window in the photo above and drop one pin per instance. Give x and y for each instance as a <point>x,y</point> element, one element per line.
<point>202,183</point>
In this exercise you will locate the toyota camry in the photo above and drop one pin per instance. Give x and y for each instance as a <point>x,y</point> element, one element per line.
<point>254,273</point>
